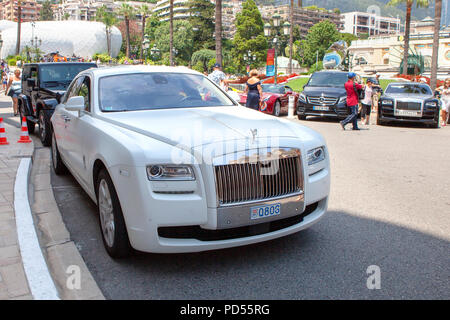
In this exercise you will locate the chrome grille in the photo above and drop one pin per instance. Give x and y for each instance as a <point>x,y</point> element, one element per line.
<point>258,180</point>
<point>328,101</point>
<point>415,106</point>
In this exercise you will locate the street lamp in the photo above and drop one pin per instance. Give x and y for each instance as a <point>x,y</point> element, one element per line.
<point>145,46</point>
<point>276,31</point>
<point>249,57</point>
<point>36,42</point>
<point>154,51</point>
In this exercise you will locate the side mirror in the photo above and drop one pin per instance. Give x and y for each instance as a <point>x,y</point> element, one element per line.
<point>289,92</point>
<point>75,104</point>
<point>31,82</point>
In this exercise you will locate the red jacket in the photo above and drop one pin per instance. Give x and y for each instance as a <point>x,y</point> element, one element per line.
<point>352,96</point>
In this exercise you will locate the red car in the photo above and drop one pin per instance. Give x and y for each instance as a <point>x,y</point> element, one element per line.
<point>275,98</point>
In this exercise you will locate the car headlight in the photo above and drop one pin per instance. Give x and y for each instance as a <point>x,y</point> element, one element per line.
<point>159,172</point>
<point>316,155</point>
<point>387,102</point>
<point>431,104</point>
<point>302,97</point>
<point>343,99</point>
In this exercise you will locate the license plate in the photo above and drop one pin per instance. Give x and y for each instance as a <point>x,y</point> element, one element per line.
<point>321,108</point>
<point>265,211</point>
<point>408,113</point>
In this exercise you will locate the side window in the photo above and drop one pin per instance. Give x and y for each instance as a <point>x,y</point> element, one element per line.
<point>85,92</point>
<point>25,74</point>
<point>73,88</point>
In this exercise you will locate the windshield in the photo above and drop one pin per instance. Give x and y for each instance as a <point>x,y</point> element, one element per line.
<point>58,76</point>
<point>272,88</point>
<point>149,91</point>
<point>328,79</point>
<point>408,89</point>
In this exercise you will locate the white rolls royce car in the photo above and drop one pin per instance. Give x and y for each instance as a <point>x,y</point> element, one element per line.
<point>176,165</point>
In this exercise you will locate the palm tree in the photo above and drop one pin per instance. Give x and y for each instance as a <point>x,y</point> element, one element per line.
<point>434,57</point>
<point>300,4</point>
<point>171,32</point>
<point>127,12</point>
<point>19,21</point>
<point>291,35</point>
<point>109,19</point>
<point>144,11</point>
<point>409,3</point>
<point>218,31</point>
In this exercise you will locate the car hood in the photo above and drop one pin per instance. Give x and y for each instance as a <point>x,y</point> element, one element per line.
<point>335,92</point>
<point>193,127</point>
<point>415,97</point>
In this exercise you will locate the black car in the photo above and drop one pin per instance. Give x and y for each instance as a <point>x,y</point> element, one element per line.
<point>408,102</point>
<point>324,95</point>
<point>43,85</point>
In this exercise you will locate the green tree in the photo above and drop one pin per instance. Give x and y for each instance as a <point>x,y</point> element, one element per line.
<point>218,31</point>
<point>202,57</point>
<point>151,25</point>
<point>202,20</point>
<point>409,4</point>
<point>249,36</point>
<point>320,37</point>
<point>109,19</point>
<point>348,37</point>
<point>434,57</point>
<point>128,13</point>
<point>183,40</point>
<point>145,11</point>
<point>46,12</point>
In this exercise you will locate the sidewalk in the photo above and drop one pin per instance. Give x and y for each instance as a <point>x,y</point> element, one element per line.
<point>13,281</point>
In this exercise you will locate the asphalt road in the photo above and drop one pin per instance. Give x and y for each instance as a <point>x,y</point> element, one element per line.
<point>389,207</point>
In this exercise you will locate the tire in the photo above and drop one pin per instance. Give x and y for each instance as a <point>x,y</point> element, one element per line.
<point>277,108</point>
<point>435,125</point>
<point>58,165</point>
<point>301,117</point>
<point>111,221</point>
<point>30,124</point>
<point>44,129</point>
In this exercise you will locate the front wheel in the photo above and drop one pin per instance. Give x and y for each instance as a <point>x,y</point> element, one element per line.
<point>277,108</point>
<point>301,117</point>
<point>112,223</point>
<point>44,132</point>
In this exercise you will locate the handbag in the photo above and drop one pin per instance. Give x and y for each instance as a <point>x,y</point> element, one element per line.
<point>359,93</point>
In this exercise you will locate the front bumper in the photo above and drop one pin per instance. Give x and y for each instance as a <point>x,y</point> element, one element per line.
<point>429,115</point>
<point>176,223</point>
<point>338,110</point>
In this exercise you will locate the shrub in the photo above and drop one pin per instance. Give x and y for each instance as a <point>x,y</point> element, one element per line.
<point>12,62</point>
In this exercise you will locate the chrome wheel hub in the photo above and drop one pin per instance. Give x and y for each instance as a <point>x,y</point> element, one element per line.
<point>106,212</point>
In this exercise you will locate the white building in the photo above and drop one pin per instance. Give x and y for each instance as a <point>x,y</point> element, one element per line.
<point>82,38</point>
<point>84,10</point>
<point>370,23</point>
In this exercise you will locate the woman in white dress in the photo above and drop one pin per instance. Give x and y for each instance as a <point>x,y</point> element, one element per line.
<point>445,99</point>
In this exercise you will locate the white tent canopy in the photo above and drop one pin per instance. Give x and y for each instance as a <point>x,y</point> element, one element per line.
<point>82,38</point>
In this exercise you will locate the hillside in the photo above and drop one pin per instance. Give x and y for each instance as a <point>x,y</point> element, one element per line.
<point>361,5</point>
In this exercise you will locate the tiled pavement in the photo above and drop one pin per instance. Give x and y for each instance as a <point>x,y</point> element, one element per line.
<point>13,282</point>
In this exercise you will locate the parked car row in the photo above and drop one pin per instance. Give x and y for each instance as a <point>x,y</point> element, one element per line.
<point>324,95</point>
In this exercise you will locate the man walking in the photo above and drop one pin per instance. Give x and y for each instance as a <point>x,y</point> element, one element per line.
<point>352,101</point>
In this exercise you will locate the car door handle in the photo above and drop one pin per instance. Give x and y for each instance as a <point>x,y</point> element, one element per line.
<point>66,118</point>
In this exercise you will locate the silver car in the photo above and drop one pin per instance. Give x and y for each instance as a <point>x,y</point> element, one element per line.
<point>408,102</point>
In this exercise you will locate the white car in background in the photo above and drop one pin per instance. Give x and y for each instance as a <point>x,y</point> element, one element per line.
<point>175,165</point>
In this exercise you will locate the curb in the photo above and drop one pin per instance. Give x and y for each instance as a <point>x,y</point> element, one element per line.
<point>68,269</point>
<point>38,276</point>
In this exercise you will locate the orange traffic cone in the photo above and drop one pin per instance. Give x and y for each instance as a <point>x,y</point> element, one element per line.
<point>24,137</point>
<point>3,140</point>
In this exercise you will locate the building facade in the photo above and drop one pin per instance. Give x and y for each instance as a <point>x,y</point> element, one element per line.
<point>359,23</point>
<point>384,54</point>
<point>303,17</point>
<point>84,10</point>
<point>9,10</point>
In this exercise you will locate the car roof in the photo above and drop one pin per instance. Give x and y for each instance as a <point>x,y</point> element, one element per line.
<point>409,83</point>
<point>129,69</point>
<point>57,63</point>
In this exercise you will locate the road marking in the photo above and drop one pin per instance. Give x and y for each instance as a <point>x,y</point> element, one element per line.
<point>36,270</point>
